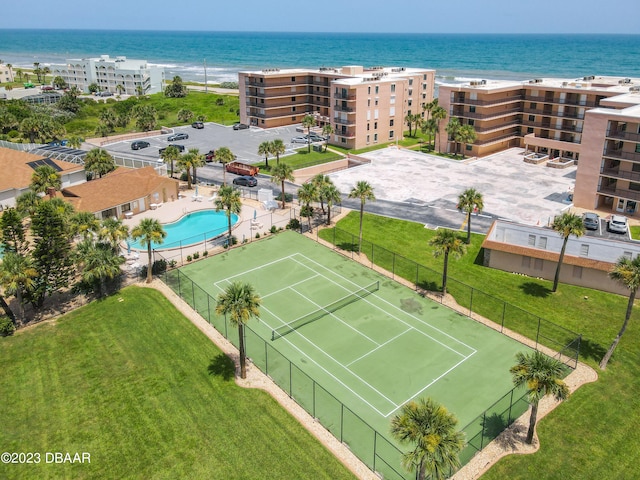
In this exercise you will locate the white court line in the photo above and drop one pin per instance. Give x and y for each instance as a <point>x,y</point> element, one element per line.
<point>328,372</point>
<point>389,314</point>
<point>392,306</point>
<point>379,346</point>
<point>290,287</point>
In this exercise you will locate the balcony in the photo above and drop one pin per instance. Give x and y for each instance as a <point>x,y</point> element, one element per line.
<point>497,128</point>
<point>556,100</point>
<point>619,192</point>
<point>487,103</point>
<point>621,174</point>
<point>346,134</point>
<point>623,135</point>
<point>343,96</point>
<point>340,121</point>
<point>342,108</point>
<point>621,154</point>
<point>572,115</point>
<point>498,139</point>
<point>550,126</point>
<point>486,116</point>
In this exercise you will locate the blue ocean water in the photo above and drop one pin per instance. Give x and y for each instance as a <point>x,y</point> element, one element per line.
<point>454,56</point>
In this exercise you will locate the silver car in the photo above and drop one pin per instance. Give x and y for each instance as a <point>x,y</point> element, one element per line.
<point>618,224</point>
<point>299,140</point>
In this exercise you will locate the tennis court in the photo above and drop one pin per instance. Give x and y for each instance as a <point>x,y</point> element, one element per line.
<point>368,341</point>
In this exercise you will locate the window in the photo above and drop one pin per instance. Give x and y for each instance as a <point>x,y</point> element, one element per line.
<point>375,114</point>
<point>532,118</point>
<point>410,81</point>
<point>542,242</point>
<point>409,102</point>
<point>369,90</point>
<point>391,122</point>
<point>584,250</point>
<point>537,264</point>
<point>577,271</point>
<point>293,79</point>
<point>472,109</point>
<point>424,77</point>
<point>392,111</point>
<point>368,139</point>
<point>469,147</point>
<point>376,102</point>
<point>368,102</point>
<point>472,122</point>
<point>377,89</point>
<point>533,105</point>
<point>392,100</point>
<point>637,147</point>
<point>410,91</point>
<point>375,137</point>
<point>424,86</point>
<point>375,125</point>
<point>526,262</point>
<point>368,126</point>
<point>391,135</point>
<point>293,109</point>
<point>293,99</point>
<point>529,129</point>
<point>628,255</point>
<point>393,88</point>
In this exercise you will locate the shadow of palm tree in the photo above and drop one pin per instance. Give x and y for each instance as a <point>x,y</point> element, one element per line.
<point>222,366</point>
<point>592,350</point>
<point>535,289</point>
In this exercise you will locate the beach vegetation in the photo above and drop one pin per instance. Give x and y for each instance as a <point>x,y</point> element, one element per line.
<point>176,89</point>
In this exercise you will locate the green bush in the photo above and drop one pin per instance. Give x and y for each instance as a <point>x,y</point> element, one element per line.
<point>158,267</point>
<point>205,253</point>
<point>196,256</point>
<point>6,326</point>
<point>294,224</point>
<point>274,229</point>
<point>288,197</point>
<point>189,258</point>
<point>257,234</point>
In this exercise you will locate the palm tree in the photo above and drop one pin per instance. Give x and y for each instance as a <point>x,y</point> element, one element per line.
<point>10,67</point>
<point>185,163</point>
<point>265,149</point>
<point>429,107</point>
<point>277,149</point>
<point>327,131</point>
<point>99,263</point>
<point>566,225</point>
<point>320,181</point>
<point>437,114</point>
<point>150,231</point>
<point>281,173</point>
<point>228,199</point>
<point>364,191</point>
<point>626,272</point>
<point>241,303</point>
<point>170,154</point>
<point>543,376</point>
<point>409,121</point>
<point>19,73</point>
<point>332,196</point>
<point>45,179</point>
<point>446,242</point>
<point>306,194</point>
<point>99,162</point>
<point>197,161</point>
<point>470,201</point>
<point>452,129</point>
<point>113,231</point>
<point>75,141</point>
<point>27,202</point>
<point>430,128</point>
<point>307,122</point>
<point>466,135</point>
<point>224,155</point>
<point>432,430</point>
<point>85,224</point>
<point>120,88</point>
<point>17,276</point>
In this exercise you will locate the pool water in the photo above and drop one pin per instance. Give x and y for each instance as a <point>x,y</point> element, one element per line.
<point>192,228</point>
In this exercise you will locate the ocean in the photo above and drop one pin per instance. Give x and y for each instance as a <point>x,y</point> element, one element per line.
<point>455,57</point>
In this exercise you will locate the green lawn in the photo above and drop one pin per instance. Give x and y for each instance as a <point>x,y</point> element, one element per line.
<point>594,434</point>
<point>302,159</point>
<point>132,382</point>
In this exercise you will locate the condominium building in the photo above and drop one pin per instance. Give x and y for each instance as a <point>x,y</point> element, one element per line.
<point>592,121</point>
<point>365,106</point>
<point>118,75</point>
<point>6,73</point>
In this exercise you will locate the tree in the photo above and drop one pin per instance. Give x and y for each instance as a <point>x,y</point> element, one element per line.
<point>69,101</point>
<point>170,154</point>
<point>85,224</point>
<point>452,129</point>
<point>112,231</point>
<point>364,191</point>
<point>184,163</point>
<point>409,121</point>
<point>470,201</point>
<point>241,303</point>
<point>93,87</point>
<point>59,82</point>
<point>75,141</point>
<point>430,128</point>
<point>432,430</point>
<point>307,122</point>
<point>306,194</point>
<point>45,179</point>
<point>566,225</point>
<point>627,273</point>
<point>265,149</point>
<point>438,114</point>
<point>466,135</point>
<point>103,130</point>
<point>37,70</point>
<point>109,118</point>
<point>99,162</point>
<point>197,161</point>
<point>149,231</point>
<point>99,263</point>
<point>281,173</point>
<point>17,276</point>
<point>332,196</point>
<point>277,149</point>
<point>446,242</point>
<point>327,131</point>
<point>428,108</point>
<point>145,117</point>
<point>19,73</point>
<point>228,199</point>
<point>224,155</point>
<point>12,232</point>
<point>176,89</point>
<point>120,88</point>
<point>27,202</point>
<point>542,376</point>
<point>185,115</point>
<point>320,181</point>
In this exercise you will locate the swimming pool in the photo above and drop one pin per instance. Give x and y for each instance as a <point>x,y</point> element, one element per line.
<point>192,228</point>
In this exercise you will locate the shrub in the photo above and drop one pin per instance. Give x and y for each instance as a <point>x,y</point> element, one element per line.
<point>232,85</point>
<point>288,197</point>
<point>6,326</point>
<point>173,263</point>
<point>205,253</point>
<point>196,256</point>
<point>189,258</point>
<point>274,229</point>
<point>294,224</point>
<point>257,234</point>
<point>220,101</point>
<point>158,267</point>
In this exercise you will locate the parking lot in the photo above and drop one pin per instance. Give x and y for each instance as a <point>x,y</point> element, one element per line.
<point>243,143</point>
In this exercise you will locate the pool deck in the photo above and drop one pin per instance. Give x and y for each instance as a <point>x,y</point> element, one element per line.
<point>252,219</point>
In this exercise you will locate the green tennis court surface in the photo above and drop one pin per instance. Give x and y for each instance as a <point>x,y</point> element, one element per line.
<point>370,342</point>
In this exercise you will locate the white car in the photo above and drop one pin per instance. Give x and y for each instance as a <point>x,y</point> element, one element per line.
<point>299,140</point>
<point>618,224</point>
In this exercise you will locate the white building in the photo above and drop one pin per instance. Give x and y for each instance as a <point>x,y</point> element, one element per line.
<point>133,76</point>
<point>6,73</point>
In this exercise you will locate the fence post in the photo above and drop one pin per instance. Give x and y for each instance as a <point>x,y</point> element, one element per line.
<point>341,419</point>
<point>393,267</point>
<point>266,358</point>
<point>510,407</point>
<point>179,285</point>
<point>375,438</point>
<point>471,302</point>
<point>417,275</point>
<point>290,381</point>
<point>314,399</point>
<point>484,424</point>
<point>538,332</point>
<point>504,311</point>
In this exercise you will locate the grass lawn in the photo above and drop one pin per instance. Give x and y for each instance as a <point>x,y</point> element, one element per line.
<point>302,158</point>
<point>132,382</point>
<point>594,434</point>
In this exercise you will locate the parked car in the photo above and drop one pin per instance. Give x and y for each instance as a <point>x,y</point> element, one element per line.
<point>210,156</point>
<point>177,136</point>
<point>139,144</point>
<point>240,126</point>
<point>299,140</point>
<point>104,94</point>
<point>46,88</point>
<point>245,181</point>
<point>618,224</point>
<point>198,125</point>
<point>316,138</point>
<point>29,85</point>
<point>179,147</point>
<point>591,221</point>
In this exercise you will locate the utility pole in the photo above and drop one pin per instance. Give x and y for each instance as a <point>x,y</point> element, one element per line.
<point>205,76</point>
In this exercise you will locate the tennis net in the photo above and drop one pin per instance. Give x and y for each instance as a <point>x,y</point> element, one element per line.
<point>327,310</point>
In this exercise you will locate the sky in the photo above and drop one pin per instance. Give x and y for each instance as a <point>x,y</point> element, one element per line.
<point>399,16</point>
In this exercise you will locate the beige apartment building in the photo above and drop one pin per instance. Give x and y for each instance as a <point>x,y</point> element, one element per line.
<point>6,73</point>
<point>365,106</point>
<point>592,121</point>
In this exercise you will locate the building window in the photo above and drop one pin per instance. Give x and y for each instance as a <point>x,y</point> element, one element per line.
<point>293,119</point>
<point>409,102</point>
<point>410,81</point>
<point>376,102</point>
<point>637,147</point>
<point>532,240</point>
<point>424,77</point>
<point>469,147</point>
<point>526,262</point>
<point>377,89</point>
<point>392,100</point>
<point>391,135</point>
<point>577,271</point>
<point>293,79</point>
<point>293,99</point>
<point>424,86</point>
<point>584,250</point>
<point>375,125</point>
<point>392,111</point>
<point>369,90</point>
<point>393,88</point>
<point>293,109</point>
<point>529,129</point>
<point>368,126</point>
<point>367,138</point>
<point>542,242</point>
<point>472,122</point>
<point>368,102</point>
<point>532,118</point>
<point>533,105</point>
<point>391,122</point>
<point>537,264</point>
<point>410,92</point>
<point>634,186</point>
<point>628,255</point>
<point>375,137</point>
<point>472,109</point>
